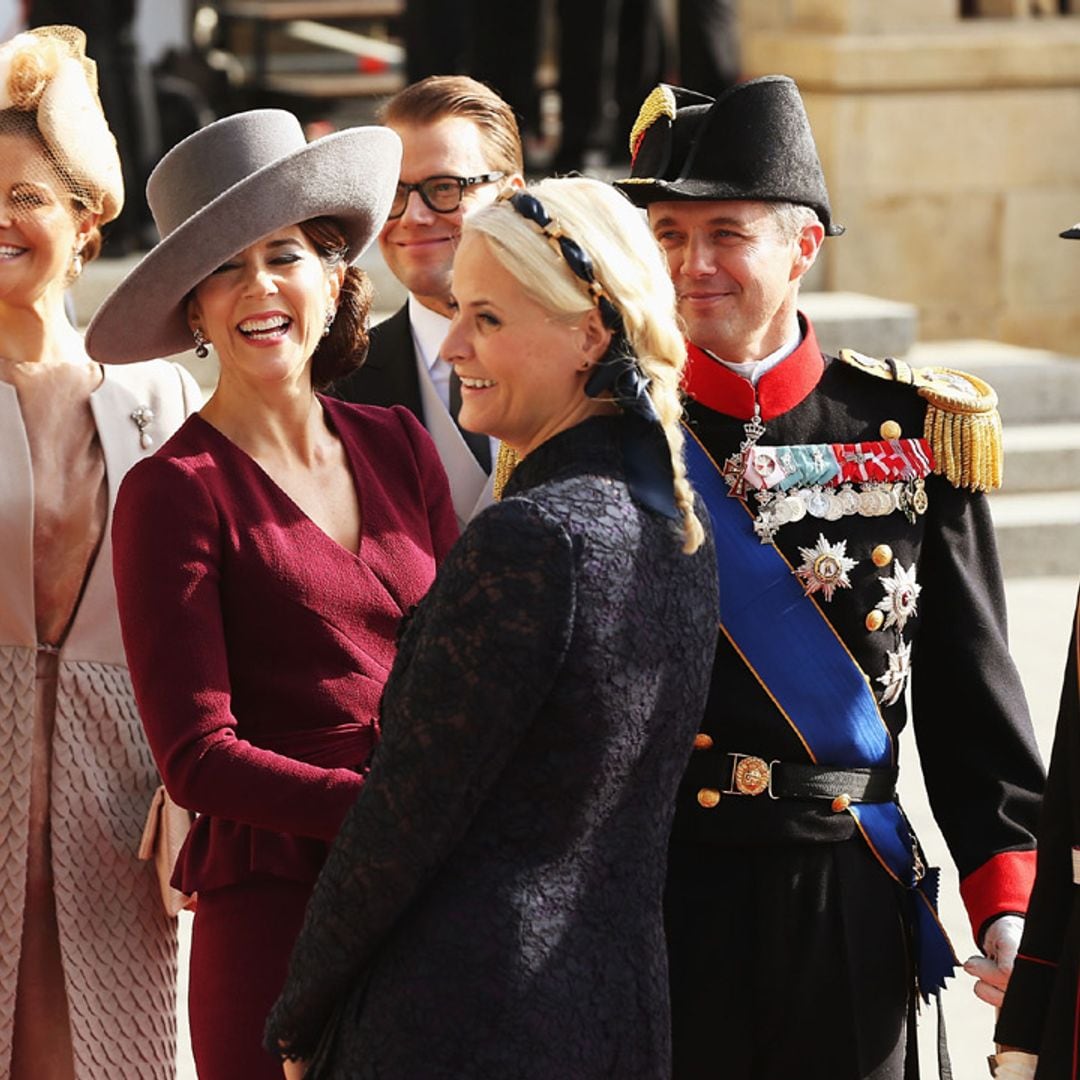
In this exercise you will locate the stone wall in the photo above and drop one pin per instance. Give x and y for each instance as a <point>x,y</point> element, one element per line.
<point>952,152</point>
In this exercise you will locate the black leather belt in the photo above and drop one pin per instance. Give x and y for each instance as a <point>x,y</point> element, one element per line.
<point>748,774</point>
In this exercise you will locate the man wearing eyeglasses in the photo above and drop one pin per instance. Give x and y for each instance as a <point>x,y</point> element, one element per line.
<point>461,147</point>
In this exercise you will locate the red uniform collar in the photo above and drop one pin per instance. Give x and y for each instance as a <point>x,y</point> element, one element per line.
<point>781,388</point>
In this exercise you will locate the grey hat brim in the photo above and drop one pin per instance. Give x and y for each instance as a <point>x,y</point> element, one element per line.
<point>1071,234</point>
<point>349,175</point>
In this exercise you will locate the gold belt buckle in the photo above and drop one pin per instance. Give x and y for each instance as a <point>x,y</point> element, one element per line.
<point>751,775</point>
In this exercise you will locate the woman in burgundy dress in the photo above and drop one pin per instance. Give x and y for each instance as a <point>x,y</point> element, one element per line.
<point>265,555</point>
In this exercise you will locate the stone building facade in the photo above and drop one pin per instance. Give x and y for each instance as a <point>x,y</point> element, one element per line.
<point>951,144</point>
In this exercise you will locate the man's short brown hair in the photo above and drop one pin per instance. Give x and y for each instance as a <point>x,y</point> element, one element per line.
<point>440,96</point>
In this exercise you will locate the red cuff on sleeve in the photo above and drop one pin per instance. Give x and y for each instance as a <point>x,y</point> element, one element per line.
<point>1002,884</point>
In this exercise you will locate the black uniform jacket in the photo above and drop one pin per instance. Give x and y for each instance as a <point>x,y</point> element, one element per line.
<point>981,765</point>
<point>388,375</point>
<point>1041,1006</point>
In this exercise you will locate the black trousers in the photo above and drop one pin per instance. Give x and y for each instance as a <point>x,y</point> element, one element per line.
<point>787,961</point>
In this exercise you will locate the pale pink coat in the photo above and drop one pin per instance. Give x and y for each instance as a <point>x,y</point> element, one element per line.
<point>118,948</point>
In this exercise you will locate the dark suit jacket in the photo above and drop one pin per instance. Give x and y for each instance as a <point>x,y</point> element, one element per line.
<point>388,376</point>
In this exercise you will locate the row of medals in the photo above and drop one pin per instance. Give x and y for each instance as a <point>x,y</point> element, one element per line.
<point>777,508</point>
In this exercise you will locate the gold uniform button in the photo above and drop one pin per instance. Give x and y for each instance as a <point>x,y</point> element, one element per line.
<point>890,430</point>
<point>841,803</point>
<point>874,620</point>
<point>708,797</point>
<point>703,741</point>
<point>881,555</point>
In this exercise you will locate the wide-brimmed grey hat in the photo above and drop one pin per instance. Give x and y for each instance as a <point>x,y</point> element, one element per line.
<point>1071,234</point>
<point>221,190</point>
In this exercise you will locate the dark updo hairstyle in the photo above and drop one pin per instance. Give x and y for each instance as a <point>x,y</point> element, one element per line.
<point>344,348</point>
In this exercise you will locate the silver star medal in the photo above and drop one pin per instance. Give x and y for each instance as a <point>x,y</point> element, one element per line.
<point>825,567</point>
<point>901,593</point>
<point>895,679</point>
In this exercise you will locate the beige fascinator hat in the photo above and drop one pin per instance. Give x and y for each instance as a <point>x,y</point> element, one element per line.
<point>46,74</point>
<point>226,187</point>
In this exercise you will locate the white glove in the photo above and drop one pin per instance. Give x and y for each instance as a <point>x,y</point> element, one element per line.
<point>992,971</point>
<point>1015,1065</point>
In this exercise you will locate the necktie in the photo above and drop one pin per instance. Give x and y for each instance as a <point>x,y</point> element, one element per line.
<point>479,444</point>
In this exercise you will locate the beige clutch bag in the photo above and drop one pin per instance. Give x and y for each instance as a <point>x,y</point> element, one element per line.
<point>163,835</point>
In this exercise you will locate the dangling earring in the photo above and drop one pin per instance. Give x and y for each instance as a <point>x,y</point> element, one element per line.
<point>201,350</point>
<point>76,262</point>
<point>328,322</point>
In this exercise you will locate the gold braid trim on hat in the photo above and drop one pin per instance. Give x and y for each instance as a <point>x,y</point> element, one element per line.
<point>660,102</point>
<point>962,424</point>
<point>505,462</point>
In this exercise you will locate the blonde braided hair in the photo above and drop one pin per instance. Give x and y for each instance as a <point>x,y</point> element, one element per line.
<point>631,269</point>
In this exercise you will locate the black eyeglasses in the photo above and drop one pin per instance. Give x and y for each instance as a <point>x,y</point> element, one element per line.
<point>573,254</point>
<point>442,194</point>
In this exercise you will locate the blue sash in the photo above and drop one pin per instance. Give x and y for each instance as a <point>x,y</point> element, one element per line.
<point>802,664</point>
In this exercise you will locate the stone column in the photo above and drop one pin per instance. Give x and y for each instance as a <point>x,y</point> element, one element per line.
<point>952,152</point>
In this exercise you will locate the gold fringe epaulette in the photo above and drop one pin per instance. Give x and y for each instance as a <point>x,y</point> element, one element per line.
<point>962,423</point>
<point>963,427</point>
<point>505,462</point>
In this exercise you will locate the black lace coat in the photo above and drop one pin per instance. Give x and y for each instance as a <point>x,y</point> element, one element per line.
<point>492,905</point>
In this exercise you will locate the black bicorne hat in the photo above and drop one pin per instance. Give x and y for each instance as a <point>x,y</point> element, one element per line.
<point>1071,234</point>
<point>752,142</point>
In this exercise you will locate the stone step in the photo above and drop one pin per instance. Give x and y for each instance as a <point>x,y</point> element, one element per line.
<point>867,324</point>
<point>1033,385</point>
<point>1041,457</point>
<point>1038,533</point>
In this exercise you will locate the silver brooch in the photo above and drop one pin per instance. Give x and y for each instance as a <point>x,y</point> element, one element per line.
<point>825,567</point>
<point>144,417</point>
<point>901,593</point>
<point>895,679</point>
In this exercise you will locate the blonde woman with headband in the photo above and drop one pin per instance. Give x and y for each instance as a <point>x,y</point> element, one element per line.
<point>87,952</point>
<point>492,906</point>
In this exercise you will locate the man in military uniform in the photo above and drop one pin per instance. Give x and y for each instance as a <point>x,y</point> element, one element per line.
<point>857,562</point>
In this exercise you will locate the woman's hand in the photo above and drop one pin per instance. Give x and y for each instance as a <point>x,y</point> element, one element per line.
<point>294,1070</point>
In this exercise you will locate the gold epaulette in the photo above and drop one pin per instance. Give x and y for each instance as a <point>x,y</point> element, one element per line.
<point>962,423</point>
<point>505,462</point>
